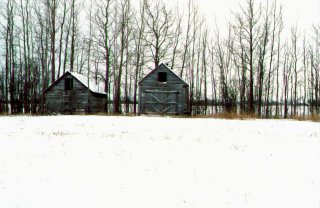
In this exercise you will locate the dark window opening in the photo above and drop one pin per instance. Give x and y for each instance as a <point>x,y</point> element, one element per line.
<point>68,84</point>
<point>162,76</point>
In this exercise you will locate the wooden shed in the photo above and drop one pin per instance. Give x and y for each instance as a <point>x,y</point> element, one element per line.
<point>71,94</point>
<point>163,92</point>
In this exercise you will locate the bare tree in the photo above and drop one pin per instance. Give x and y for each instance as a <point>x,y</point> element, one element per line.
<point>278,61</point>
<point>248,21</point>
<point>138,49</point>
<point>286,79</point>
<point>294,57</point>
<point>315,73</point>
<point>75,9</point>
<point>62,30</point>
<point>192,13</point>
<point>102,22</point>
<point>305,61</point>
<point>8,34</point>
<point>159,32</point>
<point>25,17</point>
<point>213,80</point>
<point>124,39</point>
<point>89,42</point>
<point>223,52</point>
<point>194,62</point>
<point>42,37</point>
<point>176,39</point>
<point>262,46</point>
<point>53,7</point>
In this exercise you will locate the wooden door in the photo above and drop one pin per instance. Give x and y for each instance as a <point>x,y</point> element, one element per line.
<point>68,100</point>
<point>161,102</point>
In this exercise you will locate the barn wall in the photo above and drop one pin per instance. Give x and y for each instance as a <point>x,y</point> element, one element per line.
<point>173,84</point>
<point>97,104</point>
<point>58,100</point>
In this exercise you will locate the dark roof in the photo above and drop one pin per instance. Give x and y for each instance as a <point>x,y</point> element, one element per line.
<point>158,68</point>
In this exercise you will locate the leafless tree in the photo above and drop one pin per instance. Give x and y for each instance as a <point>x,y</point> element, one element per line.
<point>223,53</point>
<point>294,57</point>
<point>102,22</point>
<point>262,51</point>
<point>42,39</point>
<point>124,41</point>
<point>278,21</point>
<point>62,23</point>
<point>7,32</point>
<point>53,7</point>
<point>191,17</point>
<point>176,39</point>
<point>315,72</point>
<point>159,30</point>
<point>287,66</point>
<point>138,50</point>
<point>248,20</point>
<point>75,9</point>
<point>306,63</point>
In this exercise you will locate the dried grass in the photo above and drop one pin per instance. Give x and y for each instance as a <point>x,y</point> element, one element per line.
<point>315,118</point>
<point>236,116</point>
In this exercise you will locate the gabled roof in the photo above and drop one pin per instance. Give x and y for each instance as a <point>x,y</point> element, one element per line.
<point>99,89</point>
<point>92,86</point>
<point>167,68</point>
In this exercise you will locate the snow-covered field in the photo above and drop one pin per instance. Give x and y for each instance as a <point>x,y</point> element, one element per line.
<point>154,162</point>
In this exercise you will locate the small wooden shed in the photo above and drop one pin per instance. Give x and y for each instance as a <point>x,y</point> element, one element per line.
<point>71,94</point>
<point>163,92</point>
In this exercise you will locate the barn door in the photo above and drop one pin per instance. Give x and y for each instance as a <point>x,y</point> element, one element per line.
<point>163,102</point>
<point>68,101</point>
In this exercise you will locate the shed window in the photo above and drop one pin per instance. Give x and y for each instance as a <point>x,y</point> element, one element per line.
<point>162,76</point>
<point>68,84</point>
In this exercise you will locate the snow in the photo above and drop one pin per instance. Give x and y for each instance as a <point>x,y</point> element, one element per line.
<point>96,88</point>
<point>158,162</point>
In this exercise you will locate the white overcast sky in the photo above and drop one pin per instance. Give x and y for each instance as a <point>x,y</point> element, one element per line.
<point>303,12</point>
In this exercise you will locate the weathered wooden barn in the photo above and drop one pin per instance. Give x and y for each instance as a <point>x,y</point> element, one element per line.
<point>71,94</point>
<point>163,92</point>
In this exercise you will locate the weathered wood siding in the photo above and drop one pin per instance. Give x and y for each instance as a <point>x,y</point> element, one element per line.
<point>170,97</point>
<point>58,100</point>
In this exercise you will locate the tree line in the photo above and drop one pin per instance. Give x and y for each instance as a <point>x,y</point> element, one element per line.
<point>255,67</point>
